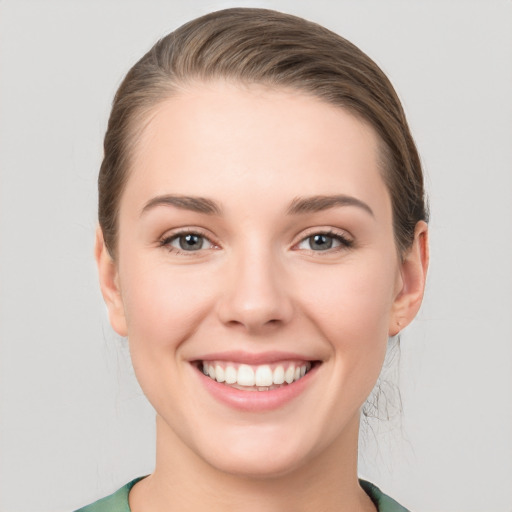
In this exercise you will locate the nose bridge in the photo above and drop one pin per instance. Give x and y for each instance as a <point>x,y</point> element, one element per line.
<point>255,294</point>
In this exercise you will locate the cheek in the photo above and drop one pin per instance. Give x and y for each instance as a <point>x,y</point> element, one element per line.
<point>163,308</point>
<point>163,305</point>
<point>352,304</point>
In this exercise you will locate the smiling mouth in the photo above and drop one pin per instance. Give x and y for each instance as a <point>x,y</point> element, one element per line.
<point>265,377</point>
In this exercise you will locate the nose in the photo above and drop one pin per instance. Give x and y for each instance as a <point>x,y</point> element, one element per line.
<point>256,295</point>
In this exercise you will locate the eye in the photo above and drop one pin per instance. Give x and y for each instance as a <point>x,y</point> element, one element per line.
<point>324,242</point>
<point>186,242</point>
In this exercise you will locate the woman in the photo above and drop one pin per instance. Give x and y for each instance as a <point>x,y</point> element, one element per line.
<point>262,235</point>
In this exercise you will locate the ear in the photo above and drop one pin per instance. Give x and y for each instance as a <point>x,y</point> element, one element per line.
<point>109,284</point>
<point>413,273</point>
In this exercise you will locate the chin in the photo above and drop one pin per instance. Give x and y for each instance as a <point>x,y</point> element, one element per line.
<point>260,466</point>
<point>263,454</point>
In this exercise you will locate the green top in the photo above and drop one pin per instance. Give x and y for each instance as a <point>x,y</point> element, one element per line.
<point>118,502</point>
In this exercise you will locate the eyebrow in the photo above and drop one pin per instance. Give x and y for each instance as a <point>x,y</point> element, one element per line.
<point>195,204</point>
<point>314,204</point>
<point>299,205</point>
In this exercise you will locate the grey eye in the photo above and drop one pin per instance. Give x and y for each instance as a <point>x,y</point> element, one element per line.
<point>321,242</point>
<point>189,242</point>
<point>324,242</point>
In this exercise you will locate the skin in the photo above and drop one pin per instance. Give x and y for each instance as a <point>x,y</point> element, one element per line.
<point>257,285</point>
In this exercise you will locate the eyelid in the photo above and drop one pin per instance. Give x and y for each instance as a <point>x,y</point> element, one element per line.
<point>169,236</point>
<point>345,239</point>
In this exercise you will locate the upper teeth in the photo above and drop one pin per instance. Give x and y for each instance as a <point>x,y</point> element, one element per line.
<point>260,376</point>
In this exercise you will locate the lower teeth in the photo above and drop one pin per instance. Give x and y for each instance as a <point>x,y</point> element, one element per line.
<point>255,388</point>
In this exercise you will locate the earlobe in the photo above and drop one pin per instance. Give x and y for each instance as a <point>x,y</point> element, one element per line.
<point>109,284</point>
<point>413,275</point>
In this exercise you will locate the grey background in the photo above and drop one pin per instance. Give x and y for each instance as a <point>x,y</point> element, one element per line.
<point>73,422</point>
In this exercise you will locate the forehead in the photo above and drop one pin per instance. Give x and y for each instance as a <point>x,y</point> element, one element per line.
<point>254,137</point>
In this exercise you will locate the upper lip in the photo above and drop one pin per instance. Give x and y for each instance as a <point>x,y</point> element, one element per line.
<point>254,358</point>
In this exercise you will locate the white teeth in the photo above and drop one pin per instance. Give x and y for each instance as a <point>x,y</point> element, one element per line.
<point>230,375</point>
<point>219,373</point>
<point>260,377</point>
<point>263,376</point>
<point>278,376</point>
<point>245,375</point>
<point>289,374</point>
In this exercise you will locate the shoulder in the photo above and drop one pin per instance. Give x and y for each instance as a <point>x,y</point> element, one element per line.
<point>116,502</point>
<point>383,502</point>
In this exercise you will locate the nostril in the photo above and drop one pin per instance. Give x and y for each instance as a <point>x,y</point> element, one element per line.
<point>256,324</point>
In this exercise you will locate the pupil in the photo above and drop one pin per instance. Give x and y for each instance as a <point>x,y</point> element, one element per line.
<point>191,242</point>
<point>321,242</point>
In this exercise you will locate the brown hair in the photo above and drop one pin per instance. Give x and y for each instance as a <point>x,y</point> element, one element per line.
<point>269,48</point>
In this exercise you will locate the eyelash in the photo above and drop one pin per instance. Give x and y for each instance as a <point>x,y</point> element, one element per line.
<point>166,241</point>
<point>344,242</point>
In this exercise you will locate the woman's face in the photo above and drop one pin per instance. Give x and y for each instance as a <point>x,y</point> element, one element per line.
<point>256,245</point>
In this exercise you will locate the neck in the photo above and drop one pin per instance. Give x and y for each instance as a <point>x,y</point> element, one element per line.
<point>185,482</point>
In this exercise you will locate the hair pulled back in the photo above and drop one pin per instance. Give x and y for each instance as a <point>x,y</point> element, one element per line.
<point>278,50</point>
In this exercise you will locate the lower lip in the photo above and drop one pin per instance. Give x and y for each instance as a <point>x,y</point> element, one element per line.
<point>257,401</point>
